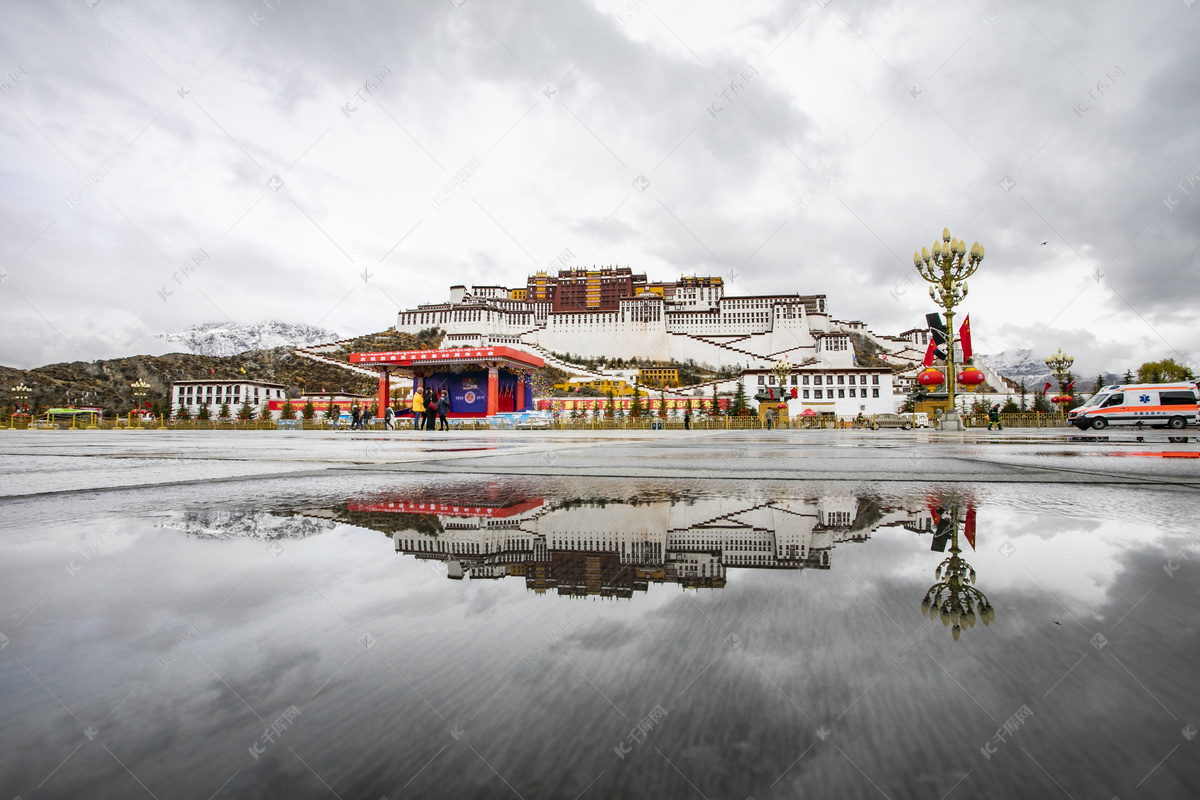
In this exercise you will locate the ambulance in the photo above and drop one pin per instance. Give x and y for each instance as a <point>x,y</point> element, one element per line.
<point>1159,405</point>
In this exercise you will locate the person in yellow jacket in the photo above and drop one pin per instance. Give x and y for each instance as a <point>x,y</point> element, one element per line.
<point>418,410</point>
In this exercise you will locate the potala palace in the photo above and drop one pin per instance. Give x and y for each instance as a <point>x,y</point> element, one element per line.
<point>613,312</point>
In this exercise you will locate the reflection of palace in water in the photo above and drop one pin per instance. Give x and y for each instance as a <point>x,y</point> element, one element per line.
<point>612,548</point>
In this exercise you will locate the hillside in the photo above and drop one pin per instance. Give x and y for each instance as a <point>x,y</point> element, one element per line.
<point>107,382</point>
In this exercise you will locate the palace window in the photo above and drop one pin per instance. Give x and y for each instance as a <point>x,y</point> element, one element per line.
<point>875,379</point>
<point>817,393</point>
<point>874,393</point>
<point>806,394</point>
<point>852,393</point>
<point>841,392</point>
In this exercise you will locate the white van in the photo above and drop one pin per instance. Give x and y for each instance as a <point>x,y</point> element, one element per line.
<point>1159,405</point>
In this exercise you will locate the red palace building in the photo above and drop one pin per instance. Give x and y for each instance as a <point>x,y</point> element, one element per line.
<point>482,381</point>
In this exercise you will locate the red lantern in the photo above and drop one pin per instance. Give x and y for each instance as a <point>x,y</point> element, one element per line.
<point>931,377</point>
<point>971,377</point>
<point>1061,398</point>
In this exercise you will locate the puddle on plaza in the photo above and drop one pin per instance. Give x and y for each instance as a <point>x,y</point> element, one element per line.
<point>478,638</point>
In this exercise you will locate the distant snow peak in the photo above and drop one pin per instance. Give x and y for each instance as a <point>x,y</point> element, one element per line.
<point>231,338</point>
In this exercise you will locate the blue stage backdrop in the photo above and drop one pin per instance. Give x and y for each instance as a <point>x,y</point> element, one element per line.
<point>468,391</point>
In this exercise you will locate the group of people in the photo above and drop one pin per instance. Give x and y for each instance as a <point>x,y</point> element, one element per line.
<point>430,408</point>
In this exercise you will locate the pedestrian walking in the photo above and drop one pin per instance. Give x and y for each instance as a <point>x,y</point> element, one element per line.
<point>443,408</point>
<point>687,419</point>
<point>994,417</point>
<point>366,418</point>
<point>770,417</point>
<point>355,418</point>
<point>430,409</point>
<point>388,416</point>
<point>418,409</point>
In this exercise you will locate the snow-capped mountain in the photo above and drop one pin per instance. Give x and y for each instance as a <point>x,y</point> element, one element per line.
<point>1018,365</point>
<point>229,339</point>
<point>262,525</point>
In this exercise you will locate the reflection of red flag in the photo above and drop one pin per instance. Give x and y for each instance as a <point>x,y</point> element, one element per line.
<point>928,362</point>
<point>969,526</point>
<point>964,336</point>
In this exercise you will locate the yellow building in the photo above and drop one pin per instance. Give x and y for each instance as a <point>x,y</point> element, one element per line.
<point>519,294</point>
<point>658,376</point>
<point>618,387</point>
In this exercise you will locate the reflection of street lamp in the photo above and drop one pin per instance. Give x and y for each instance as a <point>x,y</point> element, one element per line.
<point>954,599</point>
<point>1060,364</point>
<point>947,268</point>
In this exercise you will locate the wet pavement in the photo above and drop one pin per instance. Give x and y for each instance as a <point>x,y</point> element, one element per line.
<point>548,615</point>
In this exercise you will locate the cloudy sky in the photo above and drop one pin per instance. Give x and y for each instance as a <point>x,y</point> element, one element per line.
<point>165,166</point>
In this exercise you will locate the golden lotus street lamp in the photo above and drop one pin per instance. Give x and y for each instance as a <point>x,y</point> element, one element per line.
<point>21,394</point>
<point>140,389</point>
<point>947,268</point>
<point>1060,364</point>
<point>954,599</point>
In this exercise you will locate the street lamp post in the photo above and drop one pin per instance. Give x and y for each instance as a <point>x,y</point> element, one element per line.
<point>21,394</point>
<point>140,388</point>
<point>1060,364</point>
<point>947,268</point>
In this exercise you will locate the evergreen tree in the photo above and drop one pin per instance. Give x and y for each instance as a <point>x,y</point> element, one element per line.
<point>203,415</point>
<point>739,400</point>
<point>1009,407</point>
<point>716,404</point>
<point>246,412</point>
<point>612,405</point>
<point>1128,378</point>
<point>1024,391</point>
<point>288,411</point>
<point>183,412</point>
<point>309,411</point>
<point>223,412</point>
<point>264,411</point>
<point>1099,384</point>
<point>1040,404</point>
<point>662,404</point>
<point>635,406</point>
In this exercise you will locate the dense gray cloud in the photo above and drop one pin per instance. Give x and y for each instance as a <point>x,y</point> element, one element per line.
<point>601,129</point>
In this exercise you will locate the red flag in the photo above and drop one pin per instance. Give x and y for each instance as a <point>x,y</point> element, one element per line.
<point>1046,388</point>
<point>928,362</point>
<point>969,526</point>
<point>964,336</point>
<point>1070,386</point>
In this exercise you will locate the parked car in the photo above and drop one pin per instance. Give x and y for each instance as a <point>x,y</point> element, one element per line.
<point>902,421</point>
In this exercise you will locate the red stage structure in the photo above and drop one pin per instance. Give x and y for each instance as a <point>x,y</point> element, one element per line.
<point>505,371</point>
